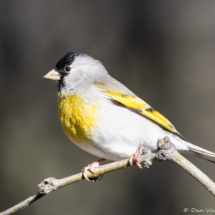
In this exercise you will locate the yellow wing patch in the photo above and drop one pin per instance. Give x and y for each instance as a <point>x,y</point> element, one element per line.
<point>160,119</point>
<point>139,106</point>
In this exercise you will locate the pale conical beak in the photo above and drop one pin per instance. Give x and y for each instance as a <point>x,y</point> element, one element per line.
<point>54,75</point>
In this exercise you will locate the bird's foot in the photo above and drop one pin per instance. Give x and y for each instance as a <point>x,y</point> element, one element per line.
<point>90,168</point>
<point>134,158</point>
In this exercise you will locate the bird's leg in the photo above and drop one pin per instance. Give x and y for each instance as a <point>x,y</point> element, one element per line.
<point>134,158</point>
<point>89,168</point>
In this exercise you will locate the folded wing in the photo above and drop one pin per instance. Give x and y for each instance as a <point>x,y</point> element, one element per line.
<point>130,101</point>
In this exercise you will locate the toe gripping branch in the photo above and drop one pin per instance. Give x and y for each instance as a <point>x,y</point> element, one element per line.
<point>165,151</point>
<point>138,160</point>
<point>148,161</point>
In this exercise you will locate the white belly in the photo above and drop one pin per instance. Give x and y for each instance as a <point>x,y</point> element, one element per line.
<point>119,132</point>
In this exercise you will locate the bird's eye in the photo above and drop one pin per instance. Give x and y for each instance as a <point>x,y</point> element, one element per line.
<point>68,69</point>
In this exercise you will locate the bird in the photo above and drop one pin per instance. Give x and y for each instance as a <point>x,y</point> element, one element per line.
<point>106,119</point>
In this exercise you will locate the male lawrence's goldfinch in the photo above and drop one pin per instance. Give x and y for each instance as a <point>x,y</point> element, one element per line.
<point>104,118</point>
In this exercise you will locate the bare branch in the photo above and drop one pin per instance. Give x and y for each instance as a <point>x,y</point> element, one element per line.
<point>166,151</point>
<point>52,184</point>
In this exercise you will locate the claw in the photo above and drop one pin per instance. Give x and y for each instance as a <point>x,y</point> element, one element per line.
<point>90,168</point>
<point>136,155</point>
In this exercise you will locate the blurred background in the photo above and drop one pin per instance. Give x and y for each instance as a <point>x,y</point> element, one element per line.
<point>164,51</point>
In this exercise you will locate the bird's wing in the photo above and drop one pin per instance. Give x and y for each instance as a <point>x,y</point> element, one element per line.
<point>127,99</point>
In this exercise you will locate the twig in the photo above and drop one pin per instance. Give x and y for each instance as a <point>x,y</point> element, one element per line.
<point>52,184</point>
<point>166,151</point>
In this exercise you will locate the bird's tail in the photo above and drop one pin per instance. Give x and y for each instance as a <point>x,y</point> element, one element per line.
<point>200,152</point>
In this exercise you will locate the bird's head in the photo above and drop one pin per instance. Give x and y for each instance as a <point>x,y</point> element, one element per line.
<point>76,70</point>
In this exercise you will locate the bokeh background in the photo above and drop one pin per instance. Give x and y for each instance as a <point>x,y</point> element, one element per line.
<point>162,50</point>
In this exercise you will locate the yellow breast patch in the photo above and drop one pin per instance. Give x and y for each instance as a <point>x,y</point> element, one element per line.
<point>77,118</point>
